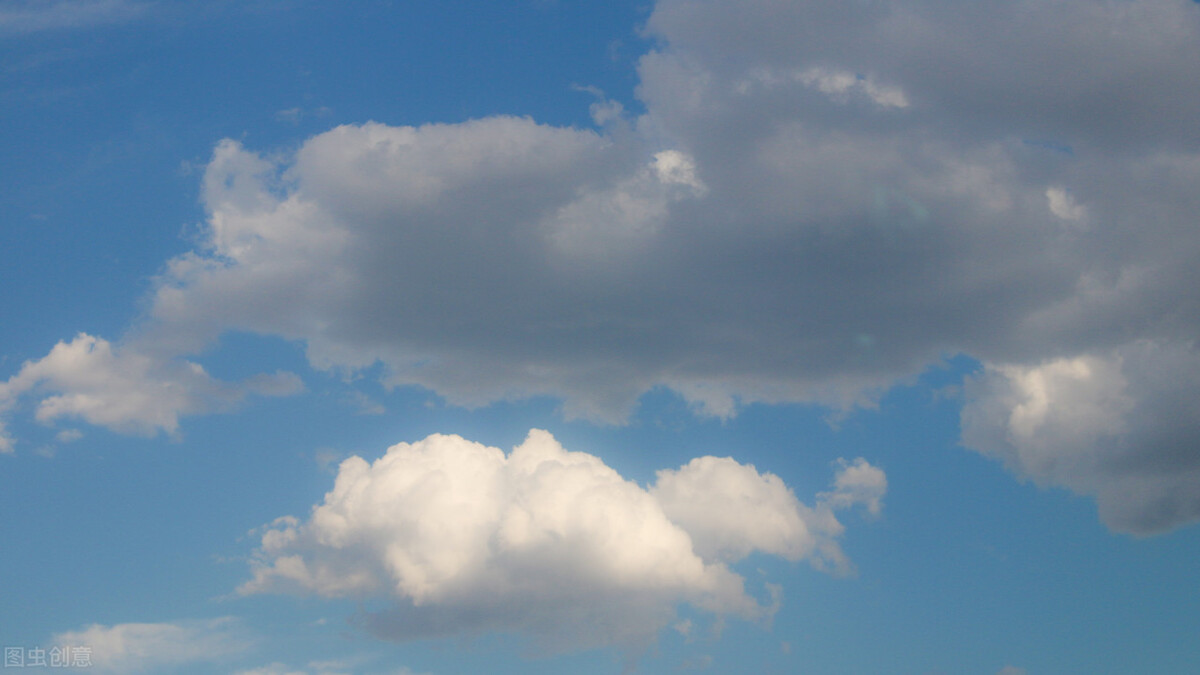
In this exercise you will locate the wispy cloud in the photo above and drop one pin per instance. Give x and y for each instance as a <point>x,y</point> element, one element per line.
<point>141,647</point>
<point>30,16</point>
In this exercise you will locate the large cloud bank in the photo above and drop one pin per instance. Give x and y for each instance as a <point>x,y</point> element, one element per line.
<point>821,199</point>
<point>549,543</point>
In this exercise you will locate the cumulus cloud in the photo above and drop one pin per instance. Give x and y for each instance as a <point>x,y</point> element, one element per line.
<point>545,542</point>
<point>820,200</point>
<point>142,647</point>
<point>730,510</point>
<point>782,250</point>
<point>126,390</point>
<point>858,483</point>
<point>1117,425</point>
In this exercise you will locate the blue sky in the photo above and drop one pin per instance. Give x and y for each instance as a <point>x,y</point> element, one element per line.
<point>860,336</point>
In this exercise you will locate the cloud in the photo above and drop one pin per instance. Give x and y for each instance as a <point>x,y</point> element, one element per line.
<point>6,441</point>
<point>840,85</point>
<point>544,542</point>
<point>139,647</point>
<point>819,201</point>
<point>857,483</point>
<point>730,510</point>
<point>281,669</point>
<point>29,16</point>
<point>780,250</point>
<point>321,668</point>
<point>957,61</point>
<point>295,115</point>
<point>1063,206</point>
<point>68,435</point>
<point>127,390</point>
<point>1117,425</point>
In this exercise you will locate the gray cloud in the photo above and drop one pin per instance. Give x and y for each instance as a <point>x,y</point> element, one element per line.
<point>1109,75</point>
<point>821,199</point>
<point>1118,425</point>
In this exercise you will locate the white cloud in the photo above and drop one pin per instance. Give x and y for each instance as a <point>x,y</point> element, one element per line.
<point>1116,425</point>
<point>1063,205</point>
<point>127,390</point>
<point>544,542</point>
<point>857,482</point>
<point>730,510</point>
<point>139,647</point>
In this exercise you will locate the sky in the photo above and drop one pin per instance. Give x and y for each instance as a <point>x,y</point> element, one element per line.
<point>412,338</point>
